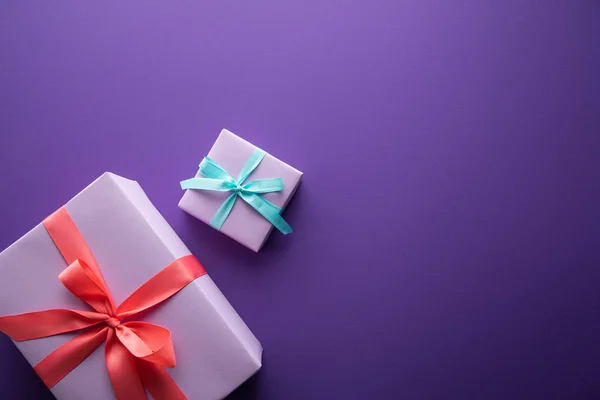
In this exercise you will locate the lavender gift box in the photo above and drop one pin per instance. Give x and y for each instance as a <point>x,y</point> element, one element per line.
<point>244,224</point>
<point>131,241</point>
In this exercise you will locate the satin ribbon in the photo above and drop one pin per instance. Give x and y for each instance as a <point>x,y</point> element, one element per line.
<point>136,352</point>
<point>217,179</point>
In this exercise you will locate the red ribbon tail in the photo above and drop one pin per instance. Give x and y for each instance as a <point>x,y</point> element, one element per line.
<point>158,382</point>
<point>122,370</point>
<point>63,360</point>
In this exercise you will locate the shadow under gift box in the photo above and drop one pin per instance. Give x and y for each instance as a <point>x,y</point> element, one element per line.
<point>244,224</point>
<point>131,242</point>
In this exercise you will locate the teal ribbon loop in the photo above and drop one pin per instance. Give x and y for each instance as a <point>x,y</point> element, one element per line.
<point>217,179</point>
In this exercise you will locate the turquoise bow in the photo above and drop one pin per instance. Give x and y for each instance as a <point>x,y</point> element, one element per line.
<point>219,180</point>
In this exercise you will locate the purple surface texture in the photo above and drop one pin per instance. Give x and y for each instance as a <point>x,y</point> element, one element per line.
<point>446,232</point>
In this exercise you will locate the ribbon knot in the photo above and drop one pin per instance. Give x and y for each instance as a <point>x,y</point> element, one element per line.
<point>113,322</point>
<point>136,352</point>
<point>217,179</point>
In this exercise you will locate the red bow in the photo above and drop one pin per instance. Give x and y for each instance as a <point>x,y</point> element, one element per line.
<point>136,352</point>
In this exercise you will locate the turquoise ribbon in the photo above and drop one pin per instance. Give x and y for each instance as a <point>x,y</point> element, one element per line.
<point>217,179</point>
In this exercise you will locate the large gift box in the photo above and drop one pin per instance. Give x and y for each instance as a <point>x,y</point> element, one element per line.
<point>236,169</point>
<point>212,352</point>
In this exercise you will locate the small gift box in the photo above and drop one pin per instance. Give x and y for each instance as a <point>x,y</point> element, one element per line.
<point>235,168</point>
<point>162,325</point>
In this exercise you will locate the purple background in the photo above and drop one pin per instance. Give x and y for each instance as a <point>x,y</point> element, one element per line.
<point>446,232</point>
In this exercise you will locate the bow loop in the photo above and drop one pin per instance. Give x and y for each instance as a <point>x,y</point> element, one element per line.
<point>72,246</point>
<point>212,170</point>
<point>83,282</point>
<point>148,342</point>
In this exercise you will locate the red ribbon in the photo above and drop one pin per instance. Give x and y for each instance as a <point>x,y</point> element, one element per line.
<point>136,352</point>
